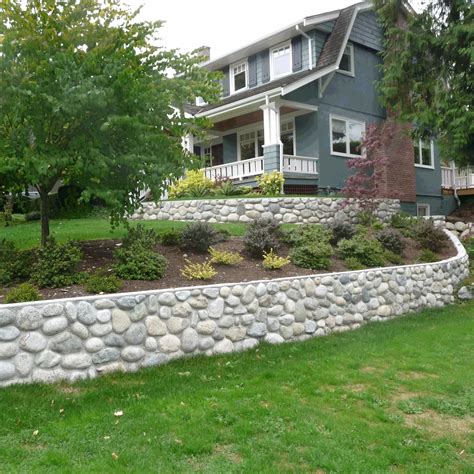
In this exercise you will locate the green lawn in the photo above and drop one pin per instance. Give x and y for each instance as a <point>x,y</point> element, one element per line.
<point>27,234</point>
<point>392,397</point>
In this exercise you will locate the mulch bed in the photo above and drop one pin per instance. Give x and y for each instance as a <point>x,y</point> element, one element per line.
<point>98,254</point>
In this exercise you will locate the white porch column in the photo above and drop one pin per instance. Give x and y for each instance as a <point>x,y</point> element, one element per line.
<point>271,123</point>
<point>188,143</point>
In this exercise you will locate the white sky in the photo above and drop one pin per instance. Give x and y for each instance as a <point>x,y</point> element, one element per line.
<point>214,23</point>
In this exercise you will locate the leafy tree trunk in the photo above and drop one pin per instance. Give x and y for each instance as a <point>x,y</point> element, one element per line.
<point>44,208</point>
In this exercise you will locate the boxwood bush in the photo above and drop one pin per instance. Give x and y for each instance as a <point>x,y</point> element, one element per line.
<point>367,251</point>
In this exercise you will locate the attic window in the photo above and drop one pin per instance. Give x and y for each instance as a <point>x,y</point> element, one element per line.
<point>238,77</point>
<point>280,60</point>
<point>346,65</point>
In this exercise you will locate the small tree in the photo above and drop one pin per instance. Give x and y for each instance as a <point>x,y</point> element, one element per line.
<point>368,181</point>
<point>86,98</point>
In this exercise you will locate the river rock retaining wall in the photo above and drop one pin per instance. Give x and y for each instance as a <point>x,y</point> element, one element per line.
<point>287,210</point>
<point>83,337</point>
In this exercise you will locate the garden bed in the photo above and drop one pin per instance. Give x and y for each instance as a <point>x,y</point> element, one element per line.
<point>99,254</point>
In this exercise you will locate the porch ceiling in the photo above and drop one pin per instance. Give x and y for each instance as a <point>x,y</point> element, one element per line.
<point>246,119</point>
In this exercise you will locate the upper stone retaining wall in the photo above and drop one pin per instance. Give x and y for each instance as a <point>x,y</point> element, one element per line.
<point>286,209</point>
<point>82,337</point>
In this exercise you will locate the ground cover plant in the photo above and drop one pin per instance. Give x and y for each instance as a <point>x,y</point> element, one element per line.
<point>392,397</point>
<point>151,254</point>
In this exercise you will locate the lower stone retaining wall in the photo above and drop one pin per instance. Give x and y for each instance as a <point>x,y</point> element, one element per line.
<point>288,210</point>
<point>82,337</point>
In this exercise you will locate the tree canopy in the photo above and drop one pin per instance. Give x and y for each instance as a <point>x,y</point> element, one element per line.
<point>90,98</point>
<point>428,71</point>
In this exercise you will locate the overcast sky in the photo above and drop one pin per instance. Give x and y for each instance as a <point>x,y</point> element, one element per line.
<point>214,23</point>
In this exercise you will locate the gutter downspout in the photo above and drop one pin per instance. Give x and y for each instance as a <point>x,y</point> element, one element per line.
<point>310,45</point>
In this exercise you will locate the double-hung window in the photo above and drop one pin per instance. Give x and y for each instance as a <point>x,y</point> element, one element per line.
<point>287,138</point>
<point>346,136</point>
<point>424,155</point>
<point>238,77</point>
<point>251,144</point>
<point>280,60</point>
<point>346,65</point>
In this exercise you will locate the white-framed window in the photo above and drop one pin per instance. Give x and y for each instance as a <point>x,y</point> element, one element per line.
<point>238,76</point>
<point>346,136</point>
<point>206,155</point>
<point>346,66</point>
<point>424,153</point>
<point>281,61</point>
<point>251,142</point>
<point>423,210</point>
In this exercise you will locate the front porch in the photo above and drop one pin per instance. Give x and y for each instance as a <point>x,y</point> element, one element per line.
<point>460,180</point>
<point>265,136</point>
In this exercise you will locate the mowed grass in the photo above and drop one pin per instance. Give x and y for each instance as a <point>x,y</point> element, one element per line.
<point>27,234</point>
<point>392,397</point>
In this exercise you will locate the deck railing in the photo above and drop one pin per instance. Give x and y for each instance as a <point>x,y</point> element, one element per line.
<point>458,178</point>
<point>236,169</point>
<point>300,164</point>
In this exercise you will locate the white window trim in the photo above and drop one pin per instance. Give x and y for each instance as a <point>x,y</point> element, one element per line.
<point>419,165</point>
<point>247,129</point>
<point>425,205</point>
<point>346,120</point>
<point>352,71</point>
<point>231,76</point>
<point>279,46</point>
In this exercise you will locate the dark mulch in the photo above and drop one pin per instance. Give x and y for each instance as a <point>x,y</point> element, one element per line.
<point>98,254</point>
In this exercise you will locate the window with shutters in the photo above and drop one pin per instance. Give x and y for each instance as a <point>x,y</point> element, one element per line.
<point>238,77</point>
<point>280,60</point>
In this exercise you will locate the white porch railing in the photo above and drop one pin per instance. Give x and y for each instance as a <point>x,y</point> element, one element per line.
<point>300,164</point>
<point>454,178</point>
<point>236,169</point>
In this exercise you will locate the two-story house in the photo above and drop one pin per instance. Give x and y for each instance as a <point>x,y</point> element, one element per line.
<point>299,101</point>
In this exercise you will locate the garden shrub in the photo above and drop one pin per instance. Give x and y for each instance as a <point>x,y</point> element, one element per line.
<point>352,263</point>
<point>402,221</point>
<point>140,236</point>
<point>427,256</point>
<point>428,236</point>
<point>341,229</point>
<point>393,257</point>
<point>306,234</point>
<point>33,216</point>
<point>22,293</point>
<point>56,264</point>
<point>171,237</point>
<point>15,265</point>
<point>199,236</point>
<point>227,187</point>
<point>102,283</point>
<point>314,255</point>
<point>194,184</point>
<point>223,257</point>
<point>139,263</point>
<point>262,235</point>
<point>271,184</point>
<point>367,251</point>
<point>271,261</point>
<point>391,239</point>
<point>198,271</point>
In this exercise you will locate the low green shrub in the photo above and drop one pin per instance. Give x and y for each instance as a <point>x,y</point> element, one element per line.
<point>102,283</point>
<point>271,184</point>
<point>307,234</point>
<point>313,255</point>
<point>223,257</point>
<point>427,256</point>
<point>262,235</point>
<point>195,184</point>
<point>402,221</point>
<point>391,239</point>
<point>22,293</point>
<point>140,236</point>
<point>227,187</point>
<point>271,261</point>
<point>15,265</point>
<point>33,216</point>
<point>199,236</point>
<point>57,264</point>
<point>428,236</point>
<point>198,271</point>
<point>341,229</point>
<point>393,257</point>
<point>352,263</point>
<point>367,251</point>
<point>171,237</point>
<point>139,263</point>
